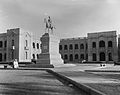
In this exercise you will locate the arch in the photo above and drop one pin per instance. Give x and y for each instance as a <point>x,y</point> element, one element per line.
<point>70,46</point>
<point>109,43</point>
<point>71,57</point>
<point>76,56</point>
<point>0,56</point>
<point>82,46</point>
<point>102,43</point>
<point>102,56</point>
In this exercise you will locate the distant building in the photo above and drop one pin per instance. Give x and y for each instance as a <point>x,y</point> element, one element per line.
<point>18,44</point>
<point>119,48</point>
<point>25,47</point>
<point>101,46</point>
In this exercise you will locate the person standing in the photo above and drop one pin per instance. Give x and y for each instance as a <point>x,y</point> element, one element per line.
<point>15,64</point>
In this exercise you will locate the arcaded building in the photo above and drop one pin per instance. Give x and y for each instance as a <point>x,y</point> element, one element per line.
<point>18,44</point>
<point>100,46</point>
<point>74,49</point>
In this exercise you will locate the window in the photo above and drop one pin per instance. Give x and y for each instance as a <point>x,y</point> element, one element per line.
<point>94,44</point>
<point>76,56</point>
<point>1,44</point>
<point>102,56</point>
<point>102,43</point>
<point>94,56</point>
<point>26,55</point>
<point>70,46</point>
<point>26,43</point>
<point>12,42</point>
<point>82,56</point>
<point>0,56</point>
<point>82,46</point>
<point>65,56</point>
<point>37,45</point>
<point>65,47</point>
<point>109,43</point>
<point>33,45</point>
<point>37,56</point>
<point>33,56</point>
<point>5,57</point>
<point>76,46</point>
<point>5,43</point>
<point>60,47</point>
<point>71,57</point>
<point>110,56</point>
<point>86,56</point>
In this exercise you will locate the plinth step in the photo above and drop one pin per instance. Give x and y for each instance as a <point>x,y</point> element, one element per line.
<point>40,65</point>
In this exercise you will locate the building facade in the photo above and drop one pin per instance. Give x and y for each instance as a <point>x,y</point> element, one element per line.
<point>18,44</point>
<point>101,46</point>
<point>74,49</point>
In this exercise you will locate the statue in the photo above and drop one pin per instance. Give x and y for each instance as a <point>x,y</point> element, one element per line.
<point>48,25</point>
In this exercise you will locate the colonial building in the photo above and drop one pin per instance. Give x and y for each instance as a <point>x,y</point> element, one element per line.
<point>74,49</point>
<point>19,44</point>
<point>101,46</point>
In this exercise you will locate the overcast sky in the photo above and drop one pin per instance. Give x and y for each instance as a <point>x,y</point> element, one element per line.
<point>72,18</point>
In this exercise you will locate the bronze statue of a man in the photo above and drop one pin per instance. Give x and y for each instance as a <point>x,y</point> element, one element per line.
<point>49,25</point>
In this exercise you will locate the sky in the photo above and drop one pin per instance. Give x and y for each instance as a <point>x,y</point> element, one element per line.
<point>72,18</point>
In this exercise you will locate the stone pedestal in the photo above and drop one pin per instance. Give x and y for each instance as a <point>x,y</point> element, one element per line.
<point>49,51</point>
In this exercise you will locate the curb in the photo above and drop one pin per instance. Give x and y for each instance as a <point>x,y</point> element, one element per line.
<point>23,69</point>
<point>102,70</point>
<point>88,90</point>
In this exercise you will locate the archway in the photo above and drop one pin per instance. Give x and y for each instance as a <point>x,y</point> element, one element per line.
<point>102,56</point>
<point>71,57</point>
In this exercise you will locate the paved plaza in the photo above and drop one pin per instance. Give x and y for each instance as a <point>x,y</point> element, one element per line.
<point>36,81</point>
<point>32,82</point>
<point>107,82</point>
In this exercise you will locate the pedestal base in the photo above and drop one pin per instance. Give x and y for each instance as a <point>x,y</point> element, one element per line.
<point>49,51</point>
<point>49,59</point>
<point>40,66</point>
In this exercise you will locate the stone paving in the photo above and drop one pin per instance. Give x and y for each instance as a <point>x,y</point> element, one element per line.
<point>106,82</point>
<point>32,82</point>
<point>97,80</point>
<point>77,73</point>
